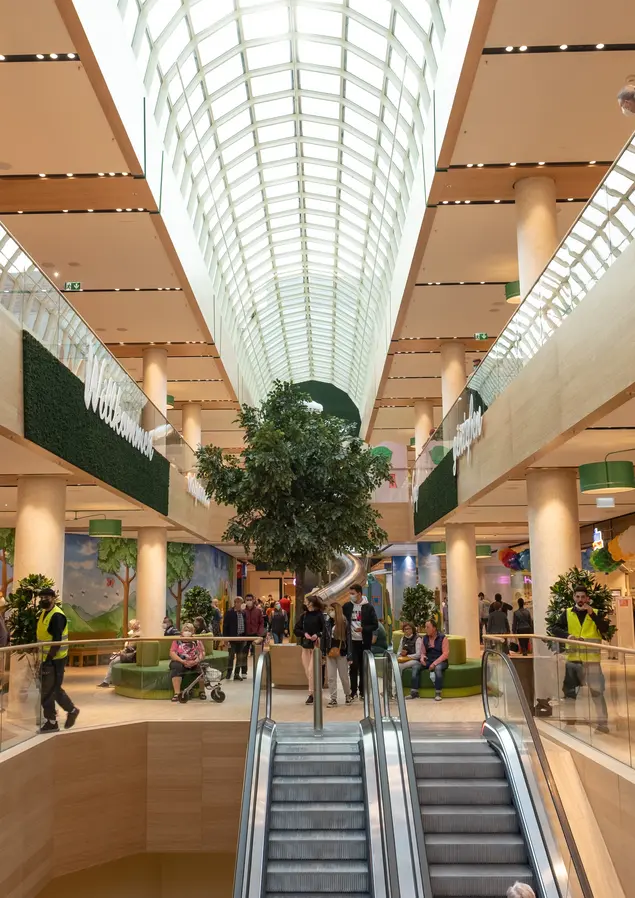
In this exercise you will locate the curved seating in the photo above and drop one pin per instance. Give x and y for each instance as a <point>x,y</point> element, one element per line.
<point>150,677</point>
<point>462,678</point>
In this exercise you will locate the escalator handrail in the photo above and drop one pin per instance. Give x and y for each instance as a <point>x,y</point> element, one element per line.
<point>576,858</point>
<point>371,696</point>
<point>245,832</point>
<point>421,862</point>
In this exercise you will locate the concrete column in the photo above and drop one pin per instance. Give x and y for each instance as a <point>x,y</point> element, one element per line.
<point>460,541</point>
<point>536,228</point>
<point>428,567</point>
<point>39,529</point>
<point>191,425</point>
<point>452,373</point>
<point>424,423</point>
<point>155,383</point>
<point>151,579</point>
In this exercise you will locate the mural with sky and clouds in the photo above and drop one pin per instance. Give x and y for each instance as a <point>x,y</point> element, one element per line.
<point>93,600</point>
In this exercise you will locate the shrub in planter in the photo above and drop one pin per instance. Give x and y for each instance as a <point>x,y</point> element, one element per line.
<point>418,606</point>
<point>22,608</point>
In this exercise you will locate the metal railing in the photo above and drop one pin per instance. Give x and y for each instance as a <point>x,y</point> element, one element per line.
<point>600,234</point>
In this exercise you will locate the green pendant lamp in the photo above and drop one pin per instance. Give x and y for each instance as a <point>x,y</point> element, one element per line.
<point>104,527</point>
<point>607,477</point>
<point>512,293</point>
<point>437,548</point>
<point>483,551</point>
<point>169,401</point>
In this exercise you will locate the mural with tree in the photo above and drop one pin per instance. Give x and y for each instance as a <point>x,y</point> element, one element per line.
<point>180,570</point>
<point>118,556</point>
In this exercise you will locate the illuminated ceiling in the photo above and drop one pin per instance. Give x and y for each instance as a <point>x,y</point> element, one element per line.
<point>295,130</point>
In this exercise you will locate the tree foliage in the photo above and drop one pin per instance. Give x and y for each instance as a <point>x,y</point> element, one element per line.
<point>418,606</point>
<point>180,570</point>
<point>22,608</point>
<point>118,556</point>
<point>197,603</point>
<point>562,597</point>
<point>301,487</point>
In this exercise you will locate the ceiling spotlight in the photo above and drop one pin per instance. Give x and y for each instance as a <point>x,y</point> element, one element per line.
<point>461,282</point>
<point>523,48</point>
<point>139,210</point>
<point>497,201</point>
<point>445,202</point>
<point>41,176</point>
<point>438,283</point>
<point>599,46</point>
<point>117,289</point>
<point>64,210</point>
<point>53,56</point>
<point>564,46</point>
<point>112,174</point>
<point>479,165</point>
<point>467,202</point>
<point>101,174</point>
<point>124,174</point>
<point>470,165</point>
<point>457,202</point>
<point>509,49</point>
<point>570,199</point>
<point>541,163</point>
<point>482,282</point>
<point>39,55</point>
<point>20,211</point>
<point>128,209</point>
<point>90,210</point>
<point>69,174</point>
<point>512,164</point>
<point>56,274</point>
<point>70,56</point>
<point>592,162</point>
<point>119,210</point>
<point>137,288</point>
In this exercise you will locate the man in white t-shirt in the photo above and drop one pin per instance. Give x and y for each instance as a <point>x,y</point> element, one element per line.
<point>363,622</point>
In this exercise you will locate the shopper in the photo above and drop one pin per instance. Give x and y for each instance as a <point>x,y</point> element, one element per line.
<point>4,632</point>
<point>200,626</point>
<point>522,623</point>
<point>409,654</point>
<point>520,890</point>
<point>279,624</point>
<point>215,618</point>
<point>52,626</point>
<point>584,624</point>
<point>309,630</point>
<point>498,623</point>
<point>254,626</point>
<point>380,640</point>
<point>185,655</point>
<point>127,655</point>
<point>337,647</point>
<point>362,620</point>
<point>435,652</point>
<point>285,604</point>
<point>483,612</point>
<point>234,626</point>
<point>168,627</point>
<point>445,614</point>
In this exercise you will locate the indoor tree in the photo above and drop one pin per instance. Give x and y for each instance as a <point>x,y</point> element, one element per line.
<point>180,570</point>
<point>7,550</point>
<point>197,603</point>
<point>562,597</point>
<point>418,606</point>
<point>301,487</point>
<point>117,556</point>
<point>22,608</point>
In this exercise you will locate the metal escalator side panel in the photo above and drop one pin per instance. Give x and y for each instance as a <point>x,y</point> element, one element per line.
<point>374,813</point>
<point>544,859</point>
<point>254,873</point>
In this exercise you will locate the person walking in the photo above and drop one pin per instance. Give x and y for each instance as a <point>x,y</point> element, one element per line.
<point>52,626</point>
<point>254,626</point>
<point>498,624</point>
<point>309,630</point>
<point>362,620</point>
<point>522,623</point>
<point>483,612</point>
<point>285,604</point>
<point>337,646</point>
<point>584,624</point>
<point>278,625</point>
<point>234,626</point>
<point>215,618</point>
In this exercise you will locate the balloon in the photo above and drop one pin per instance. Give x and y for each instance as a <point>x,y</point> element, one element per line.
<point>626,542</point>
<point>438,453</point>
<point>505,557</point>
<point>514,562</point>
<point>525,560</point>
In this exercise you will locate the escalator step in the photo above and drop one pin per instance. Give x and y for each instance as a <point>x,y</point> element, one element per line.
<point>320,895</point>
<point>318,845</point>
<point>317,815</point>
<point>447,818</point>
<point>317,788</point>
<point>459,767</point>
<point>317,765</point>
<point>309,876</point>
<point>451,747</point>
<point>308,748</point>
<point>475,848</point>
<point>455,791</point>
<point>478,880</point>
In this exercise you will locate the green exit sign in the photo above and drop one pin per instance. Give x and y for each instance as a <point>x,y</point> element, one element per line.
<point>72,286</point>
<point>480,336</point>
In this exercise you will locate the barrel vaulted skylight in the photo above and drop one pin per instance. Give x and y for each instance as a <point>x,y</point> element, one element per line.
<point>295,129</point>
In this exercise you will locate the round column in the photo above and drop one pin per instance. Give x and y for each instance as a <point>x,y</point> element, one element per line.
<point>191,424</point>
<point>428,567</point>
<point>39,529</point>
<point>155,380</point>
<point>151,578</point>
<point>536,228</point>
<point>424,423</point>
<point>460,541</point>
<point>452,373</point>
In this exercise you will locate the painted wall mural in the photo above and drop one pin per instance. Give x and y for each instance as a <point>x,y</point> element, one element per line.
<point>100,576</point>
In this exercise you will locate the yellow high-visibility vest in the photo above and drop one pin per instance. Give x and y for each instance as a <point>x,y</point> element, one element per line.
<point>588,631</point>
<point>43,634</point>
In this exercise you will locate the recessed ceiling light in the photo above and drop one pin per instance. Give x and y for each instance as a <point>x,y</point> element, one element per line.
<point>599,46</point>
<point>159,288</point>
<point>462,282</point>
<point>112,174</point>
<point>497,201</point>
<point>429,283</point>
<point>53,55</point>
<point>128,209</point>
<point>40,55</point>
<point>69,174</point>
<point>117,289</point>
<point>467,202</point>
<point>64,210</point>
<point>482,282</point>
<point>101,174</point>
<point>445,202</point>
<point>512,164</point>
<point>20,211</point>
<point>570,199</point>
<point>118,210</point>
<point>70,55</point>
<point>438,283</point>
<point>592,162</point>
<point>90,210</point>
<point>139,210</point>
<point>479,165</point>
<point>56,274</point>
<point>137,288</point>
<point>121,343</point>
<point>523,48</point>
<point>541,163</point>
<point>470,165</point>
<point>564,46</point>
<point>457,202</point>
<point>124,174</point>
<point>508,49</point>
<point>41,176</point>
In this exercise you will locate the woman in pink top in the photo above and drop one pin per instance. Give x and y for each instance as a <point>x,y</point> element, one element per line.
<point>185,655</point>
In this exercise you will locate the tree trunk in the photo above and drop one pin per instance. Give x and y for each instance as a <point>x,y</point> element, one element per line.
<point>126,594</point>
<point>300,591</point>
<point>179,601</point>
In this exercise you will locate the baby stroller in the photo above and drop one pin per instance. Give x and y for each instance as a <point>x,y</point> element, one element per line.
<point>208,681</point>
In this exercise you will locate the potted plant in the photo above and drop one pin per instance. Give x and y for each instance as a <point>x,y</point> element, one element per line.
<point>419,605</point>
<point>22,614</point>
<point>197,603</point>
<point>562,597</point>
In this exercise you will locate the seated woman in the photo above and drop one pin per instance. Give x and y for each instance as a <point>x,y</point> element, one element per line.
<point>435,651</point>
<point>127,655</point>
<point>185,655</point>
<point>409,649</point>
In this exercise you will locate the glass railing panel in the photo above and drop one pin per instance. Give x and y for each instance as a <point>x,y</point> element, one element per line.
<point>20,714</point>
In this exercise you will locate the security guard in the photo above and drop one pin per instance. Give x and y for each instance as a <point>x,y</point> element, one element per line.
<point>584,624</point>
<point>52,626</point>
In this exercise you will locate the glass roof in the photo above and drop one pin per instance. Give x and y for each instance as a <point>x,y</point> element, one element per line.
<point>294,129</point>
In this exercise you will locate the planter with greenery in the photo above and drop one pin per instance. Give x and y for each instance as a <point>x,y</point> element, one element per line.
<point>562,597</point>
<point>418,606</point>
<point>22,608</point>
<point>302,487</point>
<point>197,603</point>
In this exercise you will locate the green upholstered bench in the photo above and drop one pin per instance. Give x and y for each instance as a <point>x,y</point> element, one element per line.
<point>462,677</point>
<point>150,677</point>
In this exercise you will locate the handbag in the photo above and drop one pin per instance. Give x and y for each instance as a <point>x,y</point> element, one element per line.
<point>307,643</point>
<point>334,652</point>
